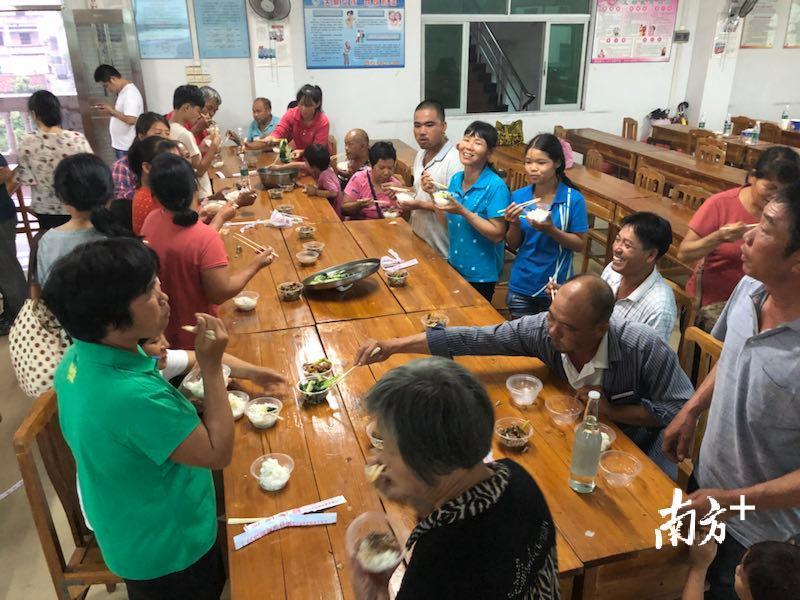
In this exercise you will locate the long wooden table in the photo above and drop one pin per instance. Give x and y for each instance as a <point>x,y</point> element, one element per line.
<point>678,168</point>
<point>605,540</point>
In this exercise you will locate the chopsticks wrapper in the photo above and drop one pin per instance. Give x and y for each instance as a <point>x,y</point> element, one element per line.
<point>393,262</point>
<point>295,517</point>
<point>282,220</point>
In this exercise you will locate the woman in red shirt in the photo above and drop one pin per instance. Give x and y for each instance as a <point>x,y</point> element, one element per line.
<point>194,264</point>
<point>303,125</point>
<point>715,232</point>
<point>140,156</point>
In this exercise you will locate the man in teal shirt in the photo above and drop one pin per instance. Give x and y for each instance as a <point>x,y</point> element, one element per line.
<point>143,455</point>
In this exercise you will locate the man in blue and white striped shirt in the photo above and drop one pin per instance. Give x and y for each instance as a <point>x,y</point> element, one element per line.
<point>641,383</point>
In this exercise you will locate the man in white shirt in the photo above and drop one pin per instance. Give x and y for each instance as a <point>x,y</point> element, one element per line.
<point>642,295</point>
<point>187,102</point>
<point>436,161</point>
<point>127,108</point>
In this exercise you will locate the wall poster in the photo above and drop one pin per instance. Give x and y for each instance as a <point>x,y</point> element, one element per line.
<point>792,39</point>
<point>354,34</point>
<point>221,28</point>
<point>759,26</point>
<point>162,28</point>
<point>629,31</point>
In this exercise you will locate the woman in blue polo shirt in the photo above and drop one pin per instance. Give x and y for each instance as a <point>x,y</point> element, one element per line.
<point>544,248</point>
<point>475,227</point>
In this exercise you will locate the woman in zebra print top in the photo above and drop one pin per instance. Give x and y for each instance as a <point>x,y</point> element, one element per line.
<point>484,528</point>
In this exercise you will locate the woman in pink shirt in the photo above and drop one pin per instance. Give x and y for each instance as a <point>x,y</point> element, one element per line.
<point>303,125</point>
<point>367,193</point>
<point>194,264</point>
<point>715,232</point>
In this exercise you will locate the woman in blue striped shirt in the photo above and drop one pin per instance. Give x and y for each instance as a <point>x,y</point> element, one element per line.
<point>545,241</point>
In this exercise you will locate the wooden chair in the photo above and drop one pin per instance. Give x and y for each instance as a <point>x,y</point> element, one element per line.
<point>709,348</point>
<point>27,220</point>
<point>593,159</point>
<point>709,154</point>
<point>560,132</point>
<point>691,196</point>
<point>332,144</point>
<point>740,123</point>
<point>85,566</point>
<point>698,135</point>
<point>770,132</point>
<point>516,179</point>
<point>630,128</point>
<point>686,309</point>
<point>650,181</point>
<point>404,173</point>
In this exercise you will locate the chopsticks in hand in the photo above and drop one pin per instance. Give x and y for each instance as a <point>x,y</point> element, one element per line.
<point>254,245</point>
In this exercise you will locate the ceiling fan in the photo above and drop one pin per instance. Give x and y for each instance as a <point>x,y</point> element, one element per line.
<point>271,10</point>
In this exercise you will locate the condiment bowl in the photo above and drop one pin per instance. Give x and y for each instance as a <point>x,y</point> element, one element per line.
<point>512,441</point>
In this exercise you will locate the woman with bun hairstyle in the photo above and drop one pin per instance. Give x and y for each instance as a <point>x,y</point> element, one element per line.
<point>194,264</point>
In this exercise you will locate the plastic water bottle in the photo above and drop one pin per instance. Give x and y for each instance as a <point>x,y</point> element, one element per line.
<point>756,132</point>
<point>785,118</point>
<point>244,172</point>
<point>702,123</point>
<point>586,448</point>
<point>727,126</point>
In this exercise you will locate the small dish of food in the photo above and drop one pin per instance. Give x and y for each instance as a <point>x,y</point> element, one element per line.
<point>435,319</point>
<point>306,232</point>
<point>289,291</point>
<point>375,437</point>
<point>314,246</point>
<point>263,412</point>
<point>287,187</point>
<point>391,213</point>
<point>218,164</point>
<point>246,300</point>
<point>397,278</point>
<point>404,198</point>
<point>607,434</point>
<point>272,471</point>
<point>307,258</point>
<point>275,194</point>
<point>192,384</point>
<point>373,543</point>
<point>314,390</point>
<point>238,401</point>
<point>212,207</point>
<point>513,433</point>
<point>442,199</point>
<point>322,367</point>
<point>286,209</point>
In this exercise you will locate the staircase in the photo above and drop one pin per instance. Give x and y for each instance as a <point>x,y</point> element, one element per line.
<point>482,93</point>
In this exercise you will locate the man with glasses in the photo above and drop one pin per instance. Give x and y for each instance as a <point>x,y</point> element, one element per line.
<point>640,381</point>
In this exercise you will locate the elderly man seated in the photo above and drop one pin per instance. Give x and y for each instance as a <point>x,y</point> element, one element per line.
<point>641,383</point>
<point>356,148</point>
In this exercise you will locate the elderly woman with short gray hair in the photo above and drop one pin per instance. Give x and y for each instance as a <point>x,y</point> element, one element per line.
<point>484,528</point>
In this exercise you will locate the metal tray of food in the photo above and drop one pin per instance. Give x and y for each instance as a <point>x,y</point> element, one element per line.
<point>342,277</point>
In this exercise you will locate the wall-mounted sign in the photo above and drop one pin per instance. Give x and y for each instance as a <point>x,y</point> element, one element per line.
<point>221,28</point>
<point>633,30</point>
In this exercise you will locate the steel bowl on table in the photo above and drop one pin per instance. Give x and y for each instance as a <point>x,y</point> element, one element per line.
<point>356,271</point>
<point>275,178</point>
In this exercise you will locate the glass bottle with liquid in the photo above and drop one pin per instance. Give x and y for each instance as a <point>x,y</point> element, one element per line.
<point>586,448</point>
<point>756,132</point>
<point>702,123</point>
<point>727,126</point>
<point>785,118</point>
<point>244,172</point>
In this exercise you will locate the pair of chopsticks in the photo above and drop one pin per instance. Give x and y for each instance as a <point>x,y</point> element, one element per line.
<point>524,204</point>
<point>396,188</point>
<point>552,289</point>
<point>210,335</point>
<point>339,378</point>
<point>253,245</point>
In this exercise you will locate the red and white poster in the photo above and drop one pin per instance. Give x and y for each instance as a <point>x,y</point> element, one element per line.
<point>633,30</point>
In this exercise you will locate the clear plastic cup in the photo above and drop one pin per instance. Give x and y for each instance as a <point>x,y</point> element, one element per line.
<point>619,468</point>
<point>260,420</point>
<point>515,442</point>
<point>524,389</point>
<point>367,528</point>
<point>246,300</point>
<point>564,410</point>
<point>284,460</point>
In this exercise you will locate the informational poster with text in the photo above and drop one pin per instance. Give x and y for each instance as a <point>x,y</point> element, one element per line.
<point>629,31</point>
<point>760,25</point>
<point>354,34</point>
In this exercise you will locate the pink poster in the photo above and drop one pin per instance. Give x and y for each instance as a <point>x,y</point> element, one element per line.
<point>633,30</point>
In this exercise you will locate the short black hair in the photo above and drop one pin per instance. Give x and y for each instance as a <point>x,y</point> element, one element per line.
<point>779,164</point>
<point>432,105</point>
<point>310,92</point>
<point>83,181</point>
<point>187,94</point>
<point>292,104</point>
<point>104,73</point>
<point>484,131</point>
<point>317,156</point>
<point>46,107</point>
<point>144,151</point>
<point>653,232</point>
<point>90,290</point>
<point>789,196</point>
<point>173,184</point>
<point>772,570</point>
<point>147,119</point>
<point>381,150</point>
<point>439,415</point>
<point>264,101</point>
